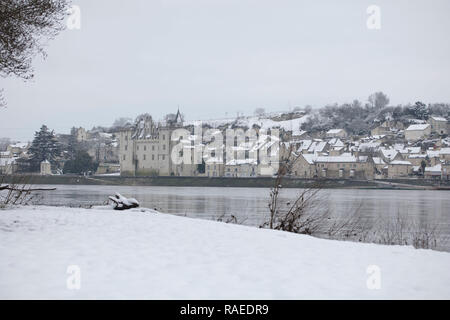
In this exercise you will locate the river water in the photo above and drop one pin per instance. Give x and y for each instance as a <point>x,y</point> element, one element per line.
<point>250,205</point>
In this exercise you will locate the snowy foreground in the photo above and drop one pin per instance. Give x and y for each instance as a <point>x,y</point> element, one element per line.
<point>146,255</point>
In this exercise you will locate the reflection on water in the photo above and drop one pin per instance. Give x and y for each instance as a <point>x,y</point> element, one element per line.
<point>250,205</point>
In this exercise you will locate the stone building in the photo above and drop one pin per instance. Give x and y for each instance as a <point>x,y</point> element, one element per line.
<point>417,131</point>
<point>145,148</point>
<point>345,166</point>
<point>438,125</point>
<point>399,169</point>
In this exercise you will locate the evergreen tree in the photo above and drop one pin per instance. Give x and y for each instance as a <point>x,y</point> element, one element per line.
<point>44,147</point>
<point>421,111</point>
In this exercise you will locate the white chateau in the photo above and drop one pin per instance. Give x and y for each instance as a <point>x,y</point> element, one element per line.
<point>146,147</point>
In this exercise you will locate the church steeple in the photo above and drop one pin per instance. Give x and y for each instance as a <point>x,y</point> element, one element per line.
<point>178,118</point>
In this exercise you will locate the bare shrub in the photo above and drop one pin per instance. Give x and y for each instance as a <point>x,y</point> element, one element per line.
<point>405,230</point>
<point>351,227</point>
<point>18,192</point>
<point>306,214</point>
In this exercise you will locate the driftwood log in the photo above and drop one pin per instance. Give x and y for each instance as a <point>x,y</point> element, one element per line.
<point>122,203</point>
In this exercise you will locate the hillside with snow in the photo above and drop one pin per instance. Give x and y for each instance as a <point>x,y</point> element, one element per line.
<point>148,255</point>
<point>264,122</point>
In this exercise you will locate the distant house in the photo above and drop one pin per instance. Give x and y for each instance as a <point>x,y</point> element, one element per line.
<point>399,169</point>
<point>343,166</point>
<point>434,172</point>
<point>438,125</point>
<point>17,149</point>
<point>417,131</point>
<point>444,154</point>
<point>241,168</point>
<point>304,166</point>
<point>387,128</point>
<point>336,133</point>
<point>8,165</point>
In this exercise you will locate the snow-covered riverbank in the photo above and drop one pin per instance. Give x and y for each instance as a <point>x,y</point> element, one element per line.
<point>146,255</point>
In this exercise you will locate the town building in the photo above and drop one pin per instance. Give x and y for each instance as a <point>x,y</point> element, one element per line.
<point>417,131</point>
<point>145,148</point>
<point>438,125</point>
<point>345,166</point>
<point>399,169</point>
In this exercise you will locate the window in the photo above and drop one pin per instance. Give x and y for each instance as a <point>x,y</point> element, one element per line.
<point>164,137</point>
<point>144,156</point>
<point>145,148</point>
<point>164,157</point>
<point>137,147</point>
<point>164,147</point>
<point>126,138</point>
<point>123,157</point>
<point>153,157</point>
<point>153,148</point>
<point>126,147</point>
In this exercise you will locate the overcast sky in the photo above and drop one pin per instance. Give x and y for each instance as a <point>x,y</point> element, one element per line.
<point>214,58</point>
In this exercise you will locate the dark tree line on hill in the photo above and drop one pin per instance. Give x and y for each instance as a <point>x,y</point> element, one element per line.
<point>359,119</point>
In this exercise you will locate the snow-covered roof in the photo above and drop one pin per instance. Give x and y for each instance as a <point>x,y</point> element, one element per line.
<point>444,151</point>
<point>336,142</point>
<point>417,156</point>
<point>334,131</point>
<point>389,153</point>
<point>408,150</point>
<point>310,158</point>
<point>21,145</point>
<point>417,121</point>
<point>417,127</point>
<point>305,144</point>
<point>378,160</point>
<point>342,158</point>
<point>317,146</point>
<point>400,162</point>
<point>369,145</point>
<point>264,123</point>
<point>237,162</point>
<point>438,118</point>
<point>435,169</point>
<point>433,153</point>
